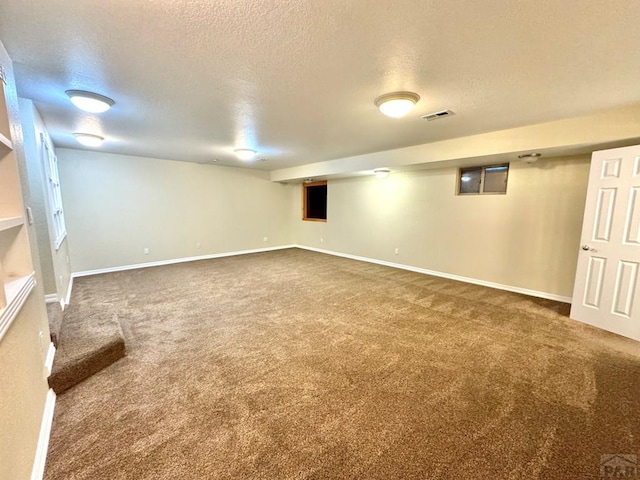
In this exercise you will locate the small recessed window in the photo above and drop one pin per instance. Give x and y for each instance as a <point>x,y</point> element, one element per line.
<point>314,201</point>
<point>487,180</point>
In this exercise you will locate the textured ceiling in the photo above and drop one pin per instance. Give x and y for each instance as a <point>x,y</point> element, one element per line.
<point>296,80</point>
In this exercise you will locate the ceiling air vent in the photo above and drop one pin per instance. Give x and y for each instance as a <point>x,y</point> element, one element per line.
<point>436,115</point>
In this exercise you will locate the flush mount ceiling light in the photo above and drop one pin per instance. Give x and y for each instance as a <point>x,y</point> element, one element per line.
<point>382,172</point>
<point>529,157</point>
<point>89,101</point>
<point>245,154</point>
<point>396,104</point>
<point>88,139</point>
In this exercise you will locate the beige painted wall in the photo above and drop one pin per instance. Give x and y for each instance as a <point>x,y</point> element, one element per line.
<point>117,205</point>
<point>24,389</point>
<point>527,238</point>
<point>54,263</point>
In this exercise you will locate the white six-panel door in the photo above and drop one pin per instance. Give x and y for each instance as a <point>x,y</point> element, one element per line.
<point>607,289</point>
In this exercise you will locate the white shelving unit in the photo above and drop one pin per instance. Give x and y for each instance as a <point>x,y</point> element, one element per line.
<point>16,269</point>
<point>10,222</point>
<point>5,145</point>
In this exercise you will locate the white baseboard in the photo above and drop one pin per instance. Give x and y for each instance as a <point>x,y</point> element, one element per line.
<point>67,298</point>
<point>475,281</point>
<point>176,260</point>
<point>51,298</point>
<point>43,440</point>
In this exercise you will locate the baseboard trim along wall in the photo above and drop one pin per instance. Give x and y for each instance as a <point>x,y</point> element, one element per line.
<point>174,260</point>
<point>51,298</point>
<point>43,440</point>
<point>475,281</point>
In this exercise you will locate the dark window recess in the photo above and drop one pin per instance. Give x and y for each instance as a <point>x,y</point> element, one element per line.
<point>315,201</point>
<point>483,180</point>
<point>470,180</point>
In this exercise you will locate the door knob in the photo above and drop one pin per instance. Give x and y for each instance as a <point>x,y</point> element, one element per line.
<point>587,248</point>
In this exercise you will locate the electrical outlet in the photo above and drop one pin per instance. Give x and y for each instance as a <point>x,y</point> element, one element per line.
<point>146,251</point>
<point>397,251</point>
<point>198,245</point>
<point>265,239</point>
<point>67,259</point>
<point>321,240</point>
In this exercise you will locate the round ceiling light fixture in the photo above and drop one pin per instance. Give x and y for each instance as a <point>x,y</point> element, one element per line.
<point>88,139</point>
<point>89,101</point>
<point>245,154</point>
<point>529,157</point>
<point>396,104</point>
<point>382,172</point>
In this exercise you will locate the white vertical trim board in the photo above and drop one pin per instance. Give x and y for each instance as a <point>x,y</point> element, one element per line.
<point>484,283</point>
<point>43,440</point>
<point>65,301</point>
<point>48,363</point>
<point>176,260</point>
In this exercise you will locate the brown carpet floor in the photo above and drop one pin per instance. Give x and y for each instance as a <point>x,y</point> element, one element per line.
<point>298,365</point>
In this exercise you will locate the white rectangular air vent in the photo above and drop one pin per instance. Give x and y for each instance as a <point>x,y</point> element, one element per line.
<point>436,115</point>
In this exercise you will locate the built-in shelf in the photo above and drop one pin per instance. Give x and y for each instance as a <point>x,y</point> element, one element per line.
<point>5,145</point>
<point>16,290</point>
<point>15,258</point>
<point>6,142</point>
<point>10,222</point>
<point>23,318</point>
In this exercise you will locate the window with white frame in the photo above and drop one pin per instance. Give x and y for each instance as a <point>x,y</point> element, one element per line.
<point>58,228</point>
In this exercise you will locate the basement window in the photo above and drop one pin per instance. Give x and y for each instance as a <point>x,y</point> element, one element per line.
<point>486,180</point>
<point>314,201</point>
